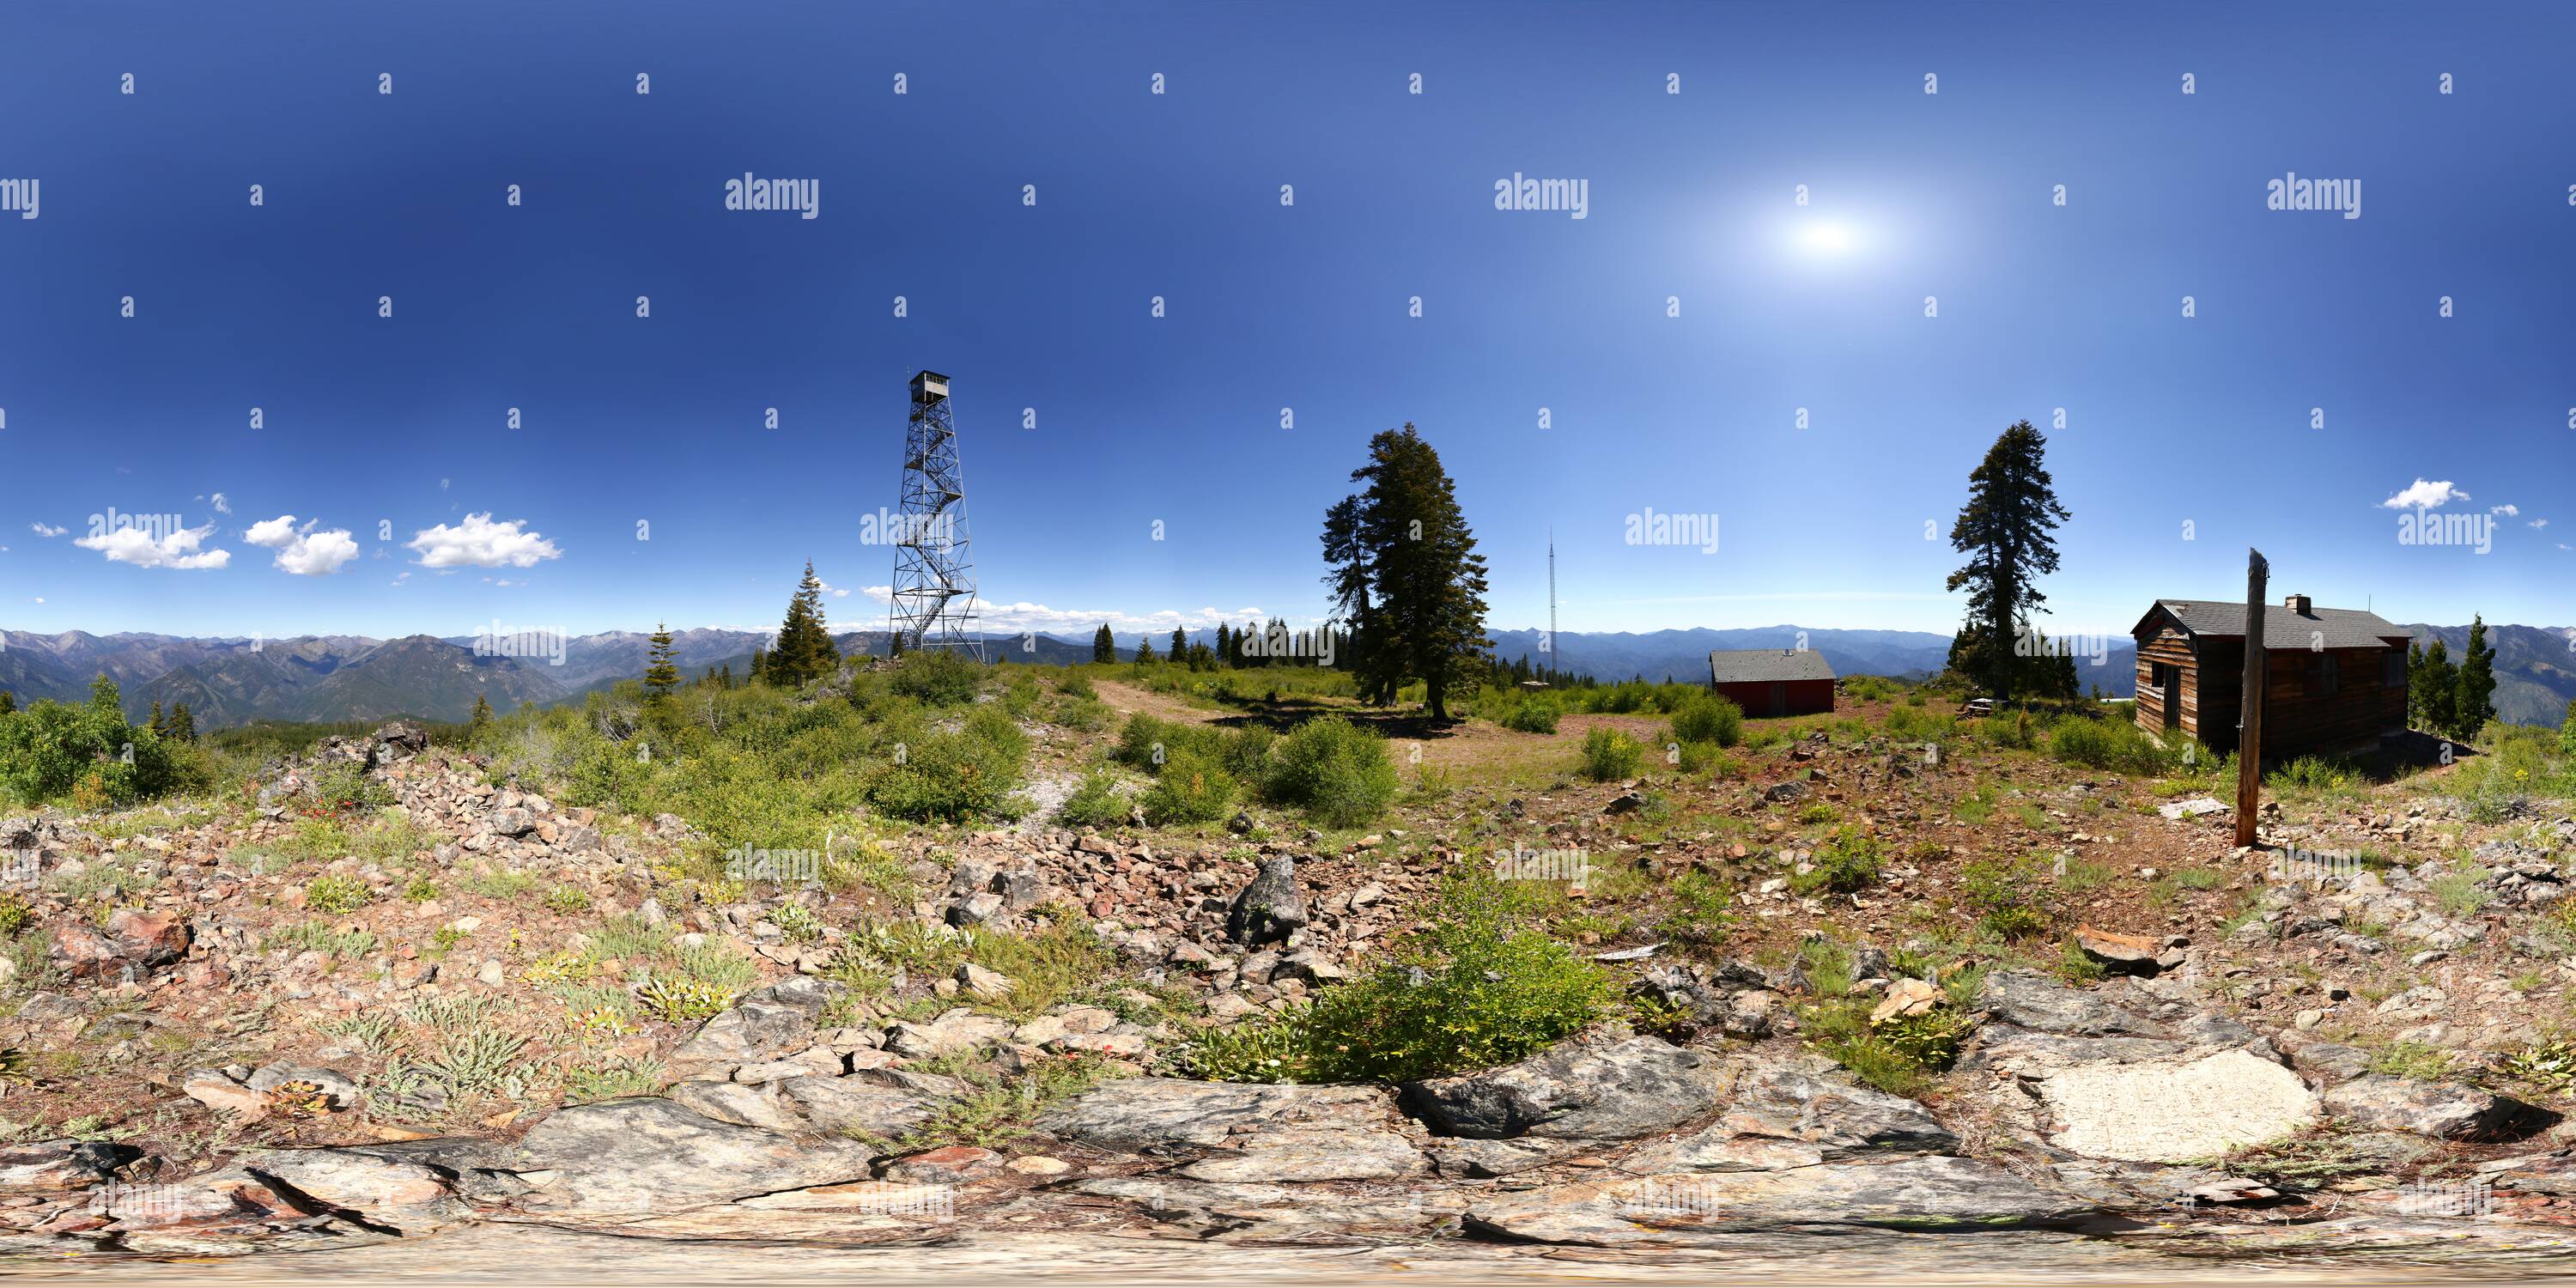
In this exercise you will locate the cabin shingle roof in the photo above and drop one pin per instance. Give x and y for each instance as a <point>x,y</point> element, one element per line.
<point>1766,665</point>
<point>2282,628</point>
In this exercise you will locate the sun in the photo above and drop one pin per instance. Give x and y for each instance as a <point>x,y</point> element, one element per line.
<point>1826,238</point>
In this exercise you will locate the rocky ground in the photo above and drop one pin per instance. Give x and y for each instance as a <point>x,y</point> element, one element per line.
<point>285,1026</point>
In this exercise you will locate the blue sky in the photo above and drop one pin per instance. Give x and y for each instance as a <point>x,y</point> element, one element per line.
<point>398,425</point>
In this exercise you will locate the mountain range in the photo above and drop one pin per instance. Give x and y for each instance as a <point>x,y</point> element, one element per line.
<point>228,682</point>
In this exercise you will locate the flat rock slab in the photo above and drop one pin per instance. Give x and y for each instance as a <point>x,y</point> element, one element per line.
<point>647,1154</point>
<point>1313,1153</point>
<point>1913,1193</point>
<point>2027,999</point>
<point>1604,1088</point>
<point>1175,1116</point>
<point>2165,1111</point>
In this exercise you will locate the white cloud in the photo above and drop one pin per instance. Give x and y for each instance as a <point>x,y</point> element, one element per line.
<point>2540,523</point>
<point>2425,496</point>
<point>43,531</point>
<point>307,553</point>
<point>478,542</point>
<point>223,504</point>
<point>318,554</point>
<point>271,532</point>
<point>401,578</point>
<point>137,546</point>
<point>2508,510</point>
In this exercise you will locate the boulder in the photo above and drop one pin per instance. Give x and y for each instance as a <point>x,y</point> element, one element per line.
<point>53,1166</point>
<point>134,938</point>
<point>851,1107</point>
<point>2442,1110</point>
<point>1312,1152</point>
<point>1271,908</point>
<point>1605,1087</point>
<point>403,1197</point>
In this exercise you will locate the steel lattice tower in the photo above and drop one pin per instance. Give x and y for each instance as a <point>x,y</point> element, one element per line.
<point>934,576</point>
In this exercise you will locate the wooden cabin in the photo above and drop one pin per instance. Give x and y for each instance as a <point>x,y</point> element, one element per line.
<point>2334,678</point>
<point>1773,681</point>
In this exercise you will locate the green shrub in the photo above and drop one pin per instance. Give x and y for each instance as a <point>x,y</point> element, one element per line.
<point>52,750</point>
<point>1190,789</point>
<point>1530,715</point>
<point>955,776</point>
<point>1481,984</point>
<point>1850,861</point>
<point>2116,744</point>
<point>1609,755</point>
<point>336,894</point>
<point>1335,771</point>
<point>1095,803</point>
<point>936,677</point>
<point>1074,684</point>
<point>1708,719</point>
<point>568,900</point>
<point>2009,895</point>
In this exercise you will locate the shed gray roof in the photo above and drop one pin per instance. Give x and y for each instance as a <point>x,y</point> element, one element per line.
<point>2340,627</point>
<point>1766,665</point>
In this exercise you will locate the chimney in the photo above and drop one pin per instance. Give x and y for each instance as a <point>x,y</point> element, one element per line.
<point>2297,604</point>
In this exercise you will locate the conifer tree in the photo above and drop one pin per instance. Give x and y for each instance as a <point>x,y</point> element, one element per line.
<point>1405,572</point>
<point>8,702</point>
<point>724,677</point>
<point>2435,689</point>
<point>480,722</point>
<point>160,725</point>
<point>661,669</point>
<point>183,723</point>
<point>805,652</point>
<point>2566,730</point>
<point>2005,530</point>
<point>2474,704</point>
<point>1144,650</point>
<point>1224,646</point>
<point>759,666</point>
<point>1104,646</point>
<point>1180,644</point>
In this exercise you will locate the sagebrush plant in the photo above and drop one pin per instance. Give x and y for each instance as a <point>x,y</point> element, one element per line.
<point>1480,984</point>
<point>2010,895</point>
<point>1530,715</point>
<point>1609,755</point>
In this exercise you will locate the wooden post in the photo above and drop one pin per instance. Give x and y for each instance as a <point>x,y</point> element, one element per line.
<point>2249,736</point>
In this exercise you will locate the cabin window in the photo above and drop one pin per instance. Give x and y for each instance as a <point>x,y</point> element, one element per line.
<point>2392,670</point>
<point>2325,675</point>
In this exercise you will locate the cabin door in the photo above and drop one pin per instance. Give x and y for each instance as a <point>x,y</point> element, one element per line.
<point>2173,697</point>
<point>1779,699</point>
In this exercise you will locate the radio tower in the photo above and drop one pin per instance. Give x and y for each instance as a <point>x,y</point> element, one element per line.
<point>934,577</point>
<point>1551,599</point>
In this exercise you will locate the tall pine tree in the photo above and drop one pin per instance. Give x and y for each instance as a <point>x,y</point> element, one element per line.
<point>160,725</point>
<point>2005,530</point>
<point>1144,649</point>
<point>804,652</point>
<point>183,723</point>
<point>1224,646</point>
<point>480,723</point>
<point>2434,689</point>
<point>1180,645</point>
<point>1405,572</point>
<point>8,702</point>
<point>2474,704</point>
<point>1104,646</point>
<point>661,666</point>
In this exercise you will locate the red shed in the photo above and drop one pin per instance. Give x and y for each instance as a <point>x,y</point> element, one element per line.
<point>1773,681</point>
